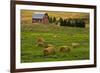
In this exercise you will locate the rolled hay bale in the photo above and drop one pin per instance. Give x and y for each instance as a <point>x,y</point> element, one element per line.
<point>40,39</point>
<point>74,45</point>
<point>64,49</point>
<point>40,42</point>
<point>48,45</point>
<point>55,36</point>
<point>49,51</point>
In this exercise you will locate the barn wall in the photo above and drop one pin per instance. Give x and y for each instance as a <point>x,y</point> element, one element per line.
<point>45,20</point>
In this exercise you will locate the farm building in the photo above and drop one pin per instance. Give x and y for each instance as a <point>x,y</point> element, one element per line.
<point>40,17</point>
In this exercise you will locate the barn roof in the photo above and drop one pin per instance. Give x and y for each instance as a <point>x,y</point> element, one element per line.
<point>38,15</point>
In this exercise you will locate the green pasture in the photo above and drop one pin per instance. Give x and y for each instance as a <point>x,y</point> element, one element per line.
<point>65,36</point>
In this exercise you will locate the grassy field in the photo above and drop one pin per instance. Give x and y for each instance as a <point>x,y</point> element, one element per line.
<point>65,36</point>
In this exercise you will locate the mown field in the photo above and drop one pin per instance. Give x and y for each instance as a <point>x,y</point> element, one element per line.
<point>65,36</point>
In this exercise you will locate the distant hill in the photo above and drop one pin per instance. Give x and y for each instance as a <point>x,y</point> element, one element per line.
<point>26,15</point>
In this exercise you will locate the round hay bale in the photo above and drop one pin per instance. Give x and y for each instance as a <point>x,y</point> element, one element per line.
<point>40,39</point>
<point>48,45</point>
<point>64,49</point>
<point>49,51</point>
<point>74,45</point>
<point>40,42</point>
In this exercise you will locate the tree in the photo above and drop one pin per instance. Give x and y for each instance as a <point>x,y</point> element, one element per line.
<point>64,22</point>
<point>50,20</point>
<point>68,22</point>
<point>80,23</point>
<point>54,19</point>
<point>61,21</point>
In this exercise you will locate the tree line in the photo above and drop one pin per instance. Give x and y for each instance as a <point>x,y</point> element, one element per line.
<point>68,22</point>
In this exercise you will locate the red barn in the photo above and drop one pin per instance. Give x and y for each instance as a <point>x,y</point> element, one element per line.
<point>41,17</point>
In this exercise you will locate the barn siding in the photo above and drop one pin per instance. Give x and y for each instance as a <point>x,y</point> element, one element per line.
<point>44,20</point>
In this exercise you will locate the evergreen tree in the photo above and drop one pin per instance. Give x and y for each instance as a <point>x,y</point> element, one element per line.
<point>64,22</point>
<point>61,21</point>
<point>54,19</point>
<point>50,20</point>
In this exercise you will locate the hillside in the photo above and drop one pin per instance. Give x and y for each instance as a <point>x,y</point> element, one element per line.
<point>26,15</point>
